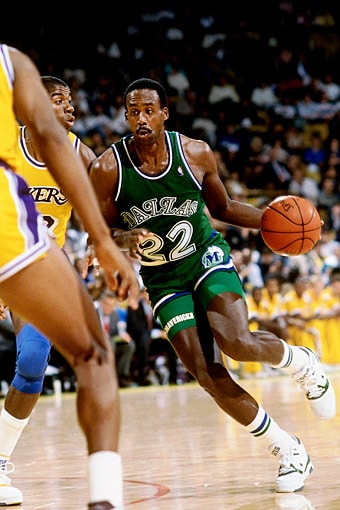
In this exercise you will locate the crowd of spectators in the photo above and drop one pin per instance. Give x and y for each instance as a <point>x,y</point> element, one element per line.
<point>259,82</point>
<point>265,95</point>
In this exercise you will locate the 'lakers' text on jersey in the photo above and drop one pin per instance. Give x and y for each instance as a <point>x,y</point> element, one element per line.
<point>49,198</point>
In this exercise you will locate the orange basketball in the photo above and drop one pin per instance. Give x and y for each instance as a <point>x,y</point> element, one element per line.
<point>291,225</point>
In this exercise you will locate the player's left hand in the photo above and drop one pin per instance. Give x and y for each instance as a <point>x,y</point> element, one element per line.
<point>126,240</point>
<point>130,240</point>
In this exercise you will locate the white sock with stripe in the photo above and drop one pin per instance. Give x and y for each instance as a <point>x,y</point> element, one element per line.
<point>294,359</point>
<point>276,440</point>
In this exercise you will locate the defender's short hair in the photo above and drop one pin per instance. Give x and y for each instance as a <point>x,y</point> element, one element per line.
<point>51,82</point>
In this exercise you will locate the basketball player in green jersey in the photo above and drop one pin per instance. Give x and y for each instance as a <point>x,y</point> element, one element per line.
<point>156,184</point>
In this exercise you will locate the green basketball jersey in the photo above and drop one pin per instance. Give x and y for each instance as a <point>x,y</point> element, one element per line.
<point>170,205</point>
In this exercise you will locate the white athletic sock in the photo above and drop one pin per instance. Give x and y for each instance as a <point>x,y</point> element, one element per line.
<point>106,478</point>
<point>10,432</point>
<point>293,359</point>
<point>263,427</point>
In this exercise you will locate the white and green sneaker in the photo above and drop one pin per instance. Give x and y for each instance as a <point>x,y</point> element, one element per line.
<point>294,468</point>
<point>316,386</point>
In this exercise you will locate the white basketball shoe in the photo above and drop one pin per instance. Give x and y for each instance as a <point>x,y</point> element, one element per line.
<point>316,386</point>
<point>9,495</point>
<point>294,468</point>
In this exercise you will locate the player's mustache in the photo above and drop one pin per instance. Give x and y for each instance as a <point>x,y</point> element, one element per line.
<point>143,128</point>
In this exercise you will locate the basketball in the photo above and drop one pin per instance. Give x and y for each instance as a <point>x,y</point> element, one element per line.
<point>290,226</point>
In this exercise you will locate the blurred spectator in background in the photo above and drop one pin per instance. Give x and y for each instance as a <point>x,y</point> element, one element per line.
<point>294,137</point>
<point>273,297</point>
<point>331,261</point>
<point>314,152</point>
<point>165,366</point>
<point>328,85</point>
<point>176,78</point>
<point>300,184</point>
<point>256,157</point>
<point>76,238</point>
<point>297,307</point>
<point>203,127</point>
<point>307,108</point>
<point>263,95</point>
<point>96,141</point>
<point>286,108</point>
<point>223,96</point>
<point>187,112</point>
<point>332,220</point>
<point>8,352</point>
<point>275,174</point>
<point>249,270</point>
<point>270,263</point>
<point>97,284</point>
<point>331,336</point>
<point>118,123</point>
<point>139,324</point>
<point>114,322</point>
<point>328,194</point>
<point>332,147</point>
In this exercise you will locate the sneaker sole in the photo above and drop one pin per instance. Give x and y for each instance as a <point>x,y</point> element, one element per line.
<point>10,502</point>
<point>101,505</point>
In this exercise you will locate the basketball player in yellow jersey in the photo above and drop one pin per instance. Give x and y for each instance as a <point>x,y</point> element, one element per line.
<point>33,348</point>
<point>274,302</point>
<point>257,315</point>
<point>297,306</point>
<point>32,266</point>
<point>331,343</point>
<point>49,198</point>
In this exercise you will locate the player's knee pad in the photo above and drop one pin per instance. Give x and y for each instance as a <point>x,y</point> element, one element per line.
<point>32,359</point>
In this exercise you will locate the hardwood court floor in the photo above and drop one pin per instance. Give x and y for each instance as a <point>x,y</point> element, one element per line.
<point>180,452</point>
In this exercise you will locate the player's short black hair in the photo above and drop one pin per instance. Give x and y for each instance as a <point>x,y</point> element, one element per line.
<point>51,82</point>
<point>147,83</point>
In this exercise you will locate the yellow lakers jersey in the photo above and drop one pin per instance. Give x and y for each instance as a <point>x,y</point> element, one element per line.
<point>49,198</point>
<point>8,122</point>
